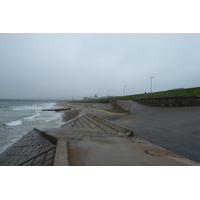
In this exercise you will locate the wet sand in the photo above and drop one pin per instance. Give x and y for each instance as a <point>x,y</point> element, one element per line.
<point>69,114</point>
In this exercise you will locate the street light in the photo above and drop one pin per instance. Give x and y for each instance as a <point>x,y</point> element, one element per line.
<point>124,89</point>
<point>109,92</point>
<point>151,83</point>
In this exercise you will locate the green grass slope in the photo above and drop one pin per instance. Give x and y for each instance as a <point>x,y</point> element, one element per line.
<point>189,92</point>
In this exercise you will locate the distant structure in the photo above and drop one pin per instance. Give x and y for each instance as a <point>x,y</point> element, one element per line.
<point>176,89</point>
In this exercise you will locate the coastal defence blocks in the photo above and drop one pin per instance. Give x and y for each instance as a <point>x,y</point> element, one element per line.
<point>50,148</point>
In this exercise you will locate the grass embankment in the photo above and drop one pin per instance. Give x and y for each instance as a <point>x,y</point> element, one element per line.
<point>189,92</point>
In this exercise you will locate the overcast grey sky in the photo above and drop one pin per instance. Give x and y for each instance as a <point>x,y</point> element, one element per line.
<point>63,66</point>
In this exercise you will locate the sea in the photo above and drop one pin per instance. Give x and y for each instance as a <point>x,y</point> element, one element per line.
<point>17,117</point>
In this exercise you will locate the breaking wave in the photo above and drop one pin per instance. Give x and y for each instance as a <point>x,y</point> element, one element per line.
<point>14,123</point>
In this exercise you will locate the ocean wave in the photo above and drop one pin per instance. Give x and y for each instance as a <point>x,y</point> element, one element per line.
<point>53,117</point>
<point>14,123</point>
<point>56,118</point>
<point>31,118</point>
<point>35,106</point>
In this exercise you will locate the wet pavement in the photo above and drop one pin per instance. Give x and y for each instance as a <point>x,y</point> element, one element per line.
<point>176,129</point>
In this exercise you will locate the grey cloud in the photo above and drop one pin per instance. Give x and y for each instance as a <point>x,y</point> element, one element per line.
<point>62,66</point>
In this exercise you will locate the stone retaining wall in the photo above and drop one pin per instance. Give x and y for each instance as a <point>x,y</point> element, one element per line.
<point>171,102</point>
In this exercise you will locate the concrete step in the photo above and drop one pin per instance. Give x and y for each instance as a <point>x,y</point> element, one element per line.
<point>94,123</point>
<point>103,106</point>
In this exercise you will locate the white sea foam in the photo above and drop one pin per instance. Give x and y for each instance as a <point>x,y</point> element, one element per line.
<point>14,123</point>
<point>31,118</point>
<point>53,117</point>
<point>35,106</point>
<point>27,115</point>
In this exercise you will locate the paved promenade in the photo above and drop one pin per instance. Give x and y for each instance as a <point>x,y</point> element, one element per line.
<point>174,128</point>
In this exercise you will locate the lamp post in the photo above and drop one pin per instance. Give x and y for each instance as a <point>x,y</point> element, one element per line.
<point>151,83</point>
<point>109,92</point>
<point>124,89</point>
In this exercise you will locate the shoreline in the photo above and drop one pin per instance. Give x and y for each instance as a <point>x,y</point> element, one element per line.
<point>93,140</point>
<point>19,117</point>
<point>68,114</point>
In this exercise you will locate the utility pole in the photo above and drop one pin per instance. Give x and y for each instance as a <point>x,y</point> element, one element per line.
<point>124,89</point>
<point>151,83</point>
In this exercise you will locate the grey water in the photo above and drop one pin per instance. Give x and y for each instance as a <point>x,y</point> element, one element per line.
<point>17,117</point>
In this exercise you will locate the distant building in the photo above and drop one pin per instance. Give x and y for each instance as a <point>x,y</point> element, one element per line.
<point>176,89</point>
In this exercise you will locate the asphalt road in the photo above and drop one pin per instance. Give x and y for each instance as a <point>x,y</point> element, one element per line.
<point>174,128</point>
